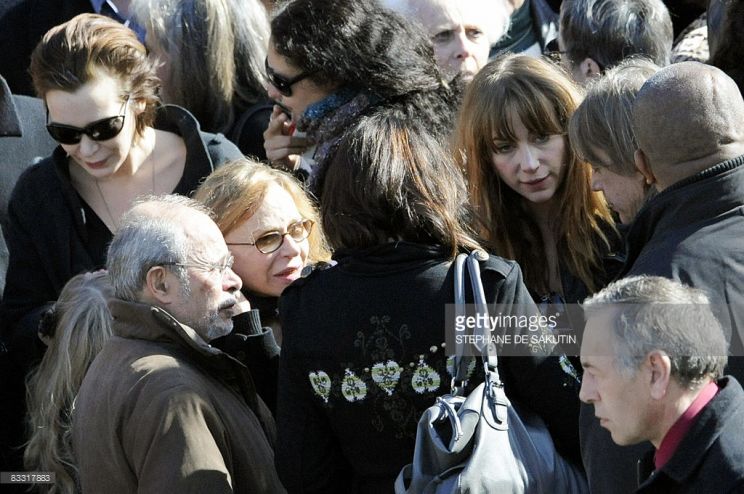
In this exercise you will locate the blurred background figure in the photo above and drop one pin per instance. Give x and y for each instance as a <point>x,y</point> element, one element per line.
<point>596,35</point>
<point>726,37</point>
<point>330,62</point>
<point>533,24</point>
<point>462,31</point>
<point>23,141</point>
<point>271,228</point>
<point>75,329</point>
<point>601,132</point>
<point>211,56</point>
<point>24,22</point>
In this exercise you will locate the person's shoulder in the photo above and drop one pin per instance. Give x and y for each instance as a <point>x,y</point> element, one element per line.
<point>220,148</point>
<point>499,265</point>
<point>40,176</point>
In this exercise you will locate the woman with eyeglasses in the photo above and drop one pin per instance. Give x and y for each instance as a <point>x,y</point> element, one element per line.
<point>116,142</point>
<point>330,62</point>
<point>271,228</point>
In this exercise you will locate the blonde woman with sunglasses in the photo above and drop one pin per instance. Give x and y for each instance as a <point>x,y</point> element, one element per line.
<point>116,142</point>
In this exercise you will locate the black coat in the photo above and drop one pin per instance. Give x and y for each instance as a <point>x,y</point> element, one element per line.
<point>710,457</point>
<point>342,427</point>
<point>23,141</point>
<point>48,236</point>
<point>692,232</point>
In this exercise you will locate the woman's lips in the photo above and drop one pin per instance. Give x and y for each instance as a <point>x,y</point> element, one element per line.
<point>536,181</point>
<point>288,273</point>
<point>95,164</point>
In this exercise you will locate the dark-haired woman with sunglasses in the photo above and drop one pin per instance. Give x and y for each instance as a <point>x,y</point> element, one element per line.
<point>331,61</point>
<point>117,142</point>
<point>271,228</point>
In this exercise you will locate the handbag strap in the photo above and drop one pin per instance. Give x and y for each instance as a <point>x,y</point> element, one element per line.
<point>490,359</point>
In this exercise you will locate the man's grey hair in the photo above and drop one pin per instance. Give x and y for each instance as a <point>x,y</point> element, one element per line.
<point>151,233</point>
<point>609,31</point>
<point>652,313</point>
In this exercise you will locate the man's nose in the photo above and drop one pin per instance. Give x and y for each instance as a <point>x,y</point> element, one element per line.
<point>463,46</point>
<point>587,393</point>
<point>231,281</point>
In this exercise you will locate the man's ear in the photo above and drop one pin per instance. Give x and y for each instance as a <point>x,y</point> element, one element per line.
<point>660,373</point>
<point>160,285</point>
<point>589,68</point>
<point>641,163</point>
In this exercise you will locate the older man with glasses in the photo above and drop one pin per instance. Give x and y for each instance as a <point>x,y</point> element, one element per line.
<point>161,409</point>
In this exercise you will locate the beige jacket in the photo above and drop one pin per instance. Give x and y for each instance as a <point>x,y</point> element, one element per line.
<point>162,411</point>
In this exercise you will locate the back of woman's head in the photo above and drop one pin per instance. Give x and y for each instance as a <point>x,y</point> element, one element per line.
<point>76,329</point>
<point>603,121</point>
<point>390,179</point>
<point>355,43</point>
<point>237,189</point>
<point>214,51</point>
<point>87,46</point>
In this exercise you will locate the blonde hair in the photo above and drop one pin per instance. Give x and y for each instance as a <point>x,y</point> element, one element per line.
<point>80,323</point>
<point>236,190</point>
<point>543,97</point>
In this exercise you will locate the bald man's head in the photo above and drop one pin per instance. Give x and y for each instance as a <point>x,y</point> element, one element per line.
<point>687,117</point>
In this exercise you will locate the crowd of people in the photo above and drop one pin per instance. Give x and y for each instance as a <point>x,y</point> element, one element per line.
<point>229,226</point>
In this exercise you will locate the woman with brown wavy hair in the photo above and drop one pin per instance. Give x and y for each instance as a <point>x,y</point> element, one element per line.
<point>532,191</point>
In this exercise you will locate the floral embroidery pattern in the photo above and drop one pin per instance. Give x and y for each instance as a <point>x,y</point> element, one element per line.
<point>386,375</point>
<point>425,379</point>
<point>353,388</point>
<point>321,384</point>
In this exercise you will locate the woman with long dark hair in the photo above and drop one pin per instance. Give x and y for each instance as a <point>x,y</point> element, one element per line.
<point>363,353</point>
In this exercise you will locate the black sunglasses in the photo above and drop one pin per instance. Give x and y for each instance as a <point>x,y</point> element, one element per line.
<point>270,242</point>
<point>281,83</point>
<point>100,130</point>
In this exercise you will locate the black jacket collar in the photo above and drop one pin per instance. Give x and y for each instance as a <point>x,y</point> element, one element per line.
<point>706,430</point>
<point>705,195</point>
